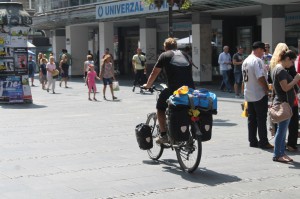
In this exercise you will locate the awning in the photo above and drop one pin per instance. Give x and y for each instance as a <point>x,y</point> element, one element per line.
<point>30,52</point>
<point>30,45</point>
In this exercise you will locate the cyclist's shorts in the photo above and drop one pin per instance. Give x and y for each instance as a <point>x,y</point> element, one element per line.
<point>161,102</point>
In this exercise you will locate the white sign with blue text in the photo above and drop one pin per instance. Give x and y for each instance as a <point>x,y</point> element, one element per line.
<point>127,8</point>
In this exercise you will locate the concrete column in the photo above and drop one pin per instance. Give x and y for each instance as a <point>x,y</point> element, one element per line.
<point>273,25</point>
<point>201,47</point>
<point>58,42</point>
<point>77,46</point>
<point>148,40</point>
<point>106,37</point>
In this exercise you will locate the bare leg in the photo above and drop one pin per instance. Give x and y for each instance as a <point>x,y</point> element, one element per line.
<point>104,89</point>
<point>111,90</point>
<point>236,89</point>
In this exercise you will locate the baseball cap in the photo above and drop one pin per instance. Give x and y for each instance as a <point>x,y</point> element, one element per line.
<point>258,44</point>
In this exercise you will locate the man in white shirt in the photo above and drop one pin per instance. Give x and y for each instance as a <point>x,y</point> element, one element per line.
<point>225,67</point>
<point>256,94</point>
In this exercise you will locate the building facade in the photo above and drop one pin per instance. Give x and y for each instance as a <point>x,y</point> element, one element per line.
<point>83,26</point>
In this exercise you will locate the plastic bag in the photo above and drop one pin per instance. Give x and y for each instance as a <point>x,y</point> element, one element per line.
<point>116,86</point>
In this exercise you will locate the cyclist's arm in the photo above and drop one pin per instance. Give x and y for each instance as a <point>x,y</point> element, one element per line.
<point>155,72</point>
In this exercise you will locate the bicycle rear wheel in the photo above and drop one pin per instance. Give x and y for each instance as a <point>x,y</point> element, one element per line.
<point>189,154</point>
<point>157,150</point>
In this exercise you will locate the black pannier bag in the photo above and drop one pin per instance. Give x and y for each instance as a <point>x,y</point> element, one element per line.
<point>179,122</point>
<point>144,136</point>
<point>205,125</point>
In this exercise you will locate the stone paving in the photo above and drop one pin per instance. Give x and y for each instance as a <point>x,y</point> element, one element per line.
<point>66,147</point>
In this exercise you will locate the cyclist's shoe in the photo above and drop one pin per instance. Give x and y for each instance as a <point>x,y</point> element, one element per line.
<point>162,140</point>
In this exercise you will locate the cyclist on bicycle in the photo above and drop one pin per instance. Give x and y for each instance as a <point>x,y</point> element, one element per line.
<point>178,71</point>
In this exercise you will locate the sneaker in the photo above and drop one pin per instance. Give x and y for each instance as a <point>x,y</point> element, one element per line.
<point>162,140</point>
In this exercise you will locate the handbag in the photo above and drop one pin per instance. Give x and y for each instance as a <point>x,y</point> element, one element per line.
<point>280,111</point>
<point>116,86</point>
<point>55,73</point>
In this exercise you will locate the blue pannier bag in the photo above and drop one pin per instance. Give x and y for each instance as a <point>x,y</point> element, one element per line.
<point>180,99</point>
<point>205,100</point>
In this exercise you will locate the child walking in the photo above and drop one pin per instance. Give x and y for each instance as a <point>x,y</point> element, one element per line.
<point>107,74</point>
<point>90,81</point>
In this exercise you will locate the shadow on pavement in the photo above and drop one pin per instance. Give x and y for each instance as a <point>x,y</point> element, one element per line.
<point>22,106</point>
<point>295,165</point>
<point>201,175</point>
<point>219,122</point>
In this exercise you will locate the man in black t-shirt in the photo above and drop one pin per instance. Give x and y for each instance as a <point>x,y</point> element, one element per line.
<point>178,70</point>
<point>238,59</point>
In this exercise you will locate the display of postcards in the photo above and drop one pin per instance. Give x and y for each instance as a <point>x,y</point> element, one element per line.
<point>6,65</point>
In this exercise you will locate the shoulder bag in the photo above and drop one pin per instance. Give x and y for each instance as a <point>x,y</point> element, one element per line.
<point>281,111</point>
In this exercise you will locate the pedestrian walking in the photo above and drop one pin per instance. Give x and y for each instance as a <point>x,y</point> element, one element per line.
<point>89,61</point>
<point>225,67</point>
<point>43,73</point>
<point>31,69</point>
<point>50,74</point>
<point>107,75</point>
<point>64,70</point>
<point>256,94</point>
<point>139,68</point>
<point>91,81</point>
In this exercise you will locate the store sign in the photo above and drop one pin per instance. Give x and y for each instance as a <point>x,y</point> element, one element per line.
<point>128,8</point>
<point>292,18</point>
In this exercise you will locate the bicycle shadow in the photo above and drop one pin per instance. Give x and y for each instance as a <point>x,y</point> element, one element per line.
<point>201,175</point>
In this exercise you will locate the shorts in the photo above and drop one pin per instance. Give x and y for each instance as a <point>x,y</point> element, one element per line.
<point>161,103</point>
<point>107,81</point>
<point>31,75</point>
<point>238,77</point>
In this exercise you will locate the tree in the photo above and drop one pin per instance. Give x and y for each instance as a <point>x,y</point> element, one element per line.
<point>182,4</point>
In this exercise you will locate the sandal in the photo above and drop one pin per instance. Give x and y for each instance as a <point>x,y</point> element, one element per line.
<point>288,158</point>
<point>282,159</point>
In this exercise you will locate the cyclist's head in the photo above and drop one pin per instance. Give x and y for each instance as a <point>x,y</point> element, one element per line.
<point>170,44</point>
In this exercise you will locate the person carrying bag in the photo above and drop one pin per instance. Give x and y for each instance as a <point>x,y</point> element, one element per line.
<point>283,85</point>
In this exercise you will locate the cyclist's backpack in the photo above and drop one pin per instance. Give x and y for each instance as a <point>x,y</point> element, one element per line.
<point>144,136</point>
<point>179,122</point>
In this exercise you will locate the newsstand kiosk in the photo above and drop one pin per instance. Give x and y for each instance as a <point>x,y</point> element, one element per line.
<point>14,28</point>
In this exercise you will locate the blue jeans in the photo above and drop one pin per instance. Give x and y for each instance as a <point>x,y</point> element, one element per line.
<point>225,75</point>
<point>280,135</point>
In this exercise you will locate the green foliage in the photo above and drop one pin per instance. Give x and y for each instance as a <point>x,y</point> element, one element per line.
<point>186,4</point>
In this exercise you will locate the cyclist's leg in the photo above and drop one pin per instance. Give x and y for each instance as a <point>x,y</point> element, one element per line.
<point>161,107</point>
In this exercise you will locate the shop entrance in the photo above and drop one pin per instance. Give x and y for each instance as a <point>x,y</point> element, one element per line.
<point>131,44</point>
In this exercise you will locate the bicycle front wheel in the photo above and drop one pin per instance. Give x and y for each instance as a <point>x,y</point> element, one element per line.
<point>189,154</point>
<point>157,150</point>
